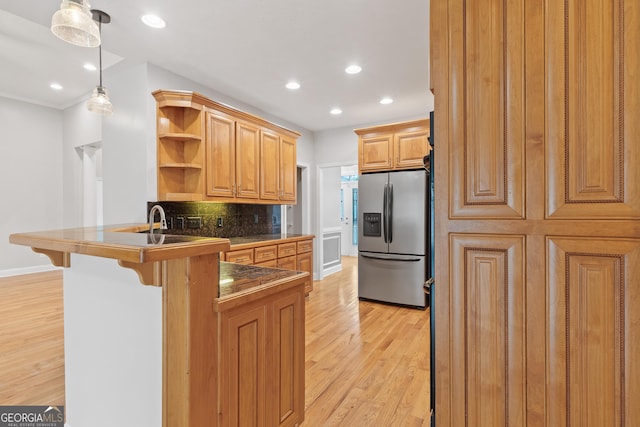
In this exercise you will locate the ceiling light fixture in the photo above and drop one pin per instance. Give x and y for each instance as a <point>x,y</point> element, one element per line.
<point>386,100</point>
<point>153,21</point>
<point>293,85</point>
<point>336,111</point>
<point>353,69</point>
<point>89,67</point>
<point>99,100</point>
<point>73,24</point>
<point>55,86</point>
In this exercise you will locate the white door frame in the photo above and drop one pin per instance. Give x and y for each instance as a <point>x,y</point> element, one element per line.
<point>319,254</point>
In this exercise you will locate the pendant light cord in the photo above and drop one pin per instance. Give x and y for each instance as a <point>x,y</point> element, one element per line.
<point>100,47</point>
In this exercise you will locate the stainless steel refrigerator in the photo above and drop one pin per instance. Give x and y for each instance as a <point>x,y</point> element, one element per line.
<point>392,237</point>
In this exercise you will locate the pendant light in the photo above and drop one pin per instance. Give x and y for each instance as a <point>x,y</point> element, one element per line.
<point>73,24</point>
<point>99,101</point>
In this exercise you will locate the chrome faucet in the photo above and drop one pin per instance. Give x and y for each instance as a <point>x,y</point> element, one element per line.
<point>163,218</point>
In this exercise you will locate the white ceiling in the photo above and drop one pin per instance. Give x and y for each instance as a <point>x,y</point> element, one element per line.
<point>246,49</point>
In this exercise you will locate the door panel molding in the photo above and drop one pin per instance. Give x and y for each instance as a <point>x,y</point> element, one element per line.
<point>589,139</point>
<point>488,118</point>
<point>590,341</point>
<point>487,341</point>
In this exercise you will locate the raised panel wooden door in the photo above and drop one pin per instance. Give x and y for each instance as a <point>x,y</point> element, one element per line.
<point>221,154</point>
<point>410,149</point>
<point>247,161</point>
<point>288,170</point>
<point>304,262</point>
<point>244,363</point>
<point>286,366</point>
<point>269,165</point>
<point>537,139</point>
<point>376,153</point>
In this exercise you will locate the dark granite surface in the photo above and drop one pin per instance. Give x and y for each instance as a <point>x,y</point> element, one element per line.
<point>236,278</point>
<point>104,241</point>
<point>236,219</point>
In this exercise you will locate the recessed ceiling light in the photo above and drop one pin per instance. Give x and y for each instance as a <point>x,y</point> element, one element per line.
<point>55,86</point>
<point>336,111</point>
<point>293,85</point>
<point>153,21</point>
<point>89,67</point>
<point>353,69</point>
<point>386,100</point>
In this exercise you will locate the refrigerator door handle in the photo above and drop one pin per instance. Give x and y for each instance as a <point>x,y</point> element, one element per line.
<point>390,209</point>
<point>384,212</point>
<point>387,258</point>
<point>427,285</point>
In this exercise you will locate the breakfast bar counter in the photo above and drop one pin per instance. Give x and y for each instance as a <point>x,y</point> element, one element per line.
<point>206,343</point>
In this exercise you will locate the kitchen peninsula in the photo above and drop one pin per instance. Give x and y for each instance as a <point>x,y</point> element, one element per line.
<point>206,343</point>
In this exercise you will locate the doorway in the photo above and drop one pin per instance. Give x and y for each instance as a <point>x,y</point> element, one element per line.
<point>349,210</point>
<point>329,232</point>
<point>92,188</point>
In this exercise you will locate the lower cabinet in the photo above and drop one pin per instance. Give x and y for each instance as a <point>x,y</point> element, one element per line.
<point>262,361</point>
<point>289,255</point>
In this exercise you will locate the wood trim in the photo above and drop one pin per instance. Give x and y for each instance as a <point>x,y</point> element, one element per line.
<point>190,373</point>
<point>194,98</point>
<point>409,126</point>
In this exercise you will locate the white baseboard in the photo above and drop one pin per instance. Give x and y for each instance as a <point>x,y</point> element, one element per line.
<point>327,271</point>
<point>27,270</point>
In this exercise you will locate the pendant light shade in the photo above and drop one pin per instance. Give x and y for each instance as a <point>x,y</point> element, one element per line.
<point>73,23</point>
<point>99,101</point>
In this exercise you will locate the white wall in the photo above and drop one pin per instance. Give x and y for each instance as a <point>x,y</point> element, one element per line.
<point>80,128</point>
<point>124,146</point>
<point>30,179</point>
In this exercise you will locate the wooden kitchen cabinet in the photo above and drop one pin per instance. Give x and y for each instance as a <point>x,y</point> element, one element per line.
<point>180,158</point>
<point>232,153</point>
<point>537,230</point>
<point>262,361</point>
<point>221,155</point>
<point>242,256</point>
<point>286,249</point>
<point>247,161</point>
<point>397,146</point>
<point>288,263</point>
<point>210,151</point>
<point>288,172</point>
<point>278,178</point>
<point>265,253</point>
<point>290,254</point>
<point>304,262</point>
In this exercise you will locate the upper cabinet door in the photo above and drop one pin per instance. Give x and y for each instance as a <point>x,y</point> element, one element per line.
<point>247,161</point>
<point>220,152</point>
<point>269,165</point>
<point>288,170</point>
<point>376,152</point>
<point>410,148</point>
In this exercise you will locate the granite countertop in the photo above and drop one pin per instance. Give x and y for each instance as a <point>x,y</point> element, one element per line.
<point>236,278</point>
<point>110,242</point>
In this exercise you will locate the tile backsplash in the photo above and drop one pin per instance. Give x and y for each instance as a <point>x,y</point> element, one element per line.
<point>220,219</point>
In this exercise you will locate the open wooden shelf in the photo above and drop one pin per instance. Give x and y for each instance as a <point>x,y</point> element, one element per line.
<point>180,165</point>
<point>179,136</point>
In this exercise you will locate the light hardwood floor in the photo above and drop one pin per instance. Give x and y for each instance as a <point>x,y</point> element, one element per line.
<point>367,364</point>
<point>31,340</point>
